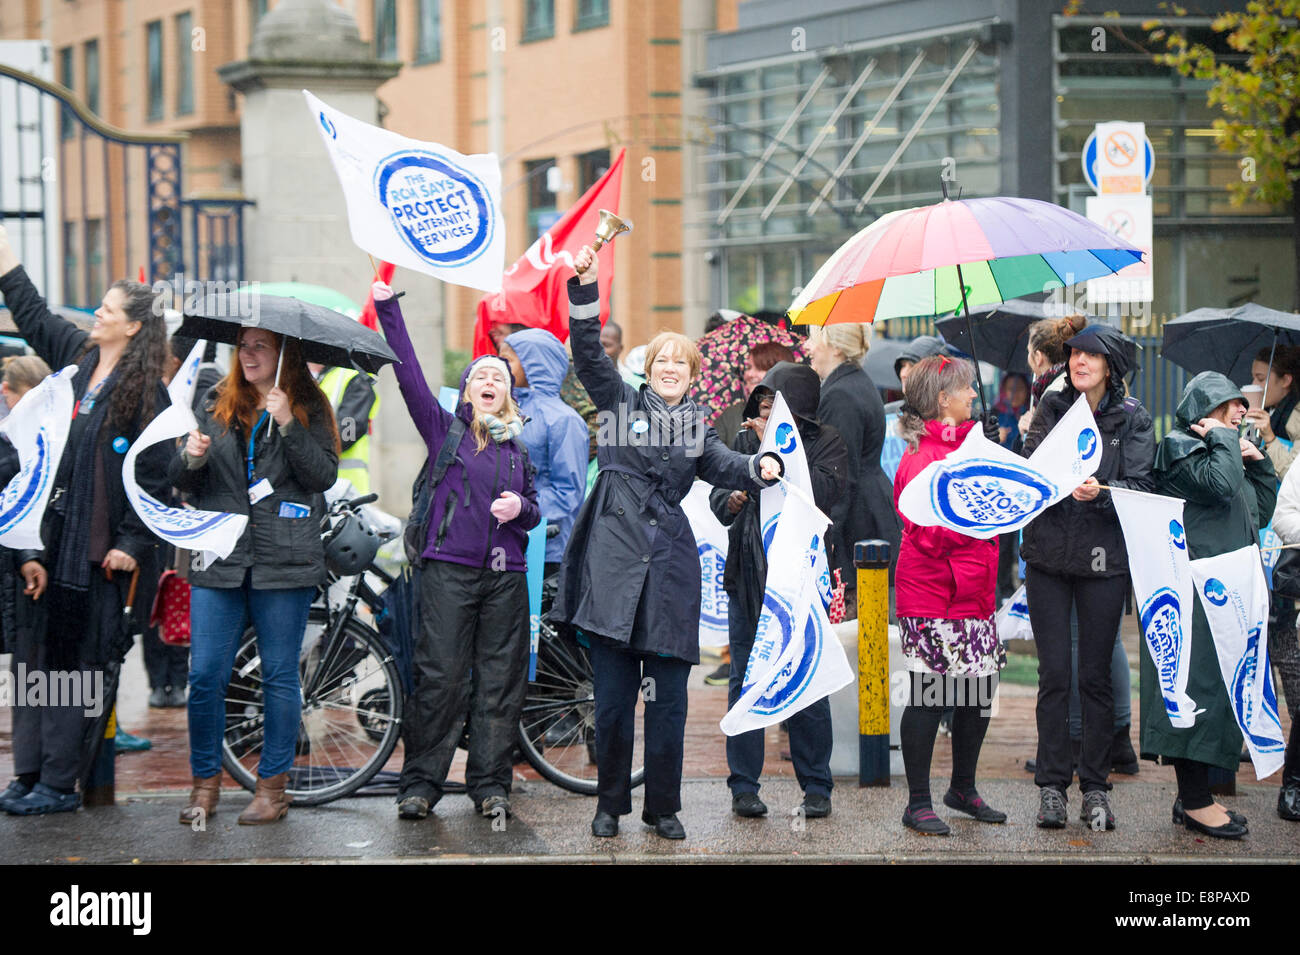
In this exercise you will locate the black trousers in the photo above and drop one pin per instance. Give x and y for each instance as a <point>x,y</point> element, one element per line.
<point>46,738</point>
<point>811,739</point>
<point>471,654</point>
<point>1100,603</point>
<point>166,665</point>
<point>621,675</point>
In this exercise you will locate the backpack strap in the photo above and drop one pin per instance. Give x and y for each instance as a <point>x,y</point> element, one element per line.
<point>447,453</point>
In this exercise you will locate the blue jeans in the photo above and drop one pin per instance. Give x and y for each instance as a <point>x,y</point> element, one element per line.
<point>217,622</point>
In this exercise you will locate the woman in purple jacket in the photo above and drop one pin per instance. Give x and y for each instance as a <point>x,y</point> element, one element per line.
<point>471,651</point>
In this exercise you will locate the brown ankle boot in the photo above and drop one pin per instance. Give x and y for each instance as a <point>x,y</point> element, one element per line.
<point>203,799</point>
<point>270,802</point>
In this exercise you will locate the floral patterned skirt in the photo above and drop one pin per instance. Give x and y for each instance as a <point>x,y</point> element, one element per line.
<point>968,646</point>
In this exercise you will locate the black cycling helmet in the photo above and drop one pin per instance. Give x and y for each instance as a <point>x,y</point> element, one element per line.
<point>350,546</point>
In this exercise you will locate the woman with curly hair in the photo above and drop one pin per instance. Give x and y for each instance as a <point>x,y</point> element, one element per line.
<point>94,539</point>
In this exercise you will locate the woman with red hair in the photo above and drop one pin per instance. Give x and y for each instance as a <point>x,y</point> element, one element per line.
<point>266,446</point>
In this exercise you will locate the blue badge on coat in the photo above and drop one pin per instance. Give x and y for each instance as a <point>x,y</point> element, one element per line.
<point>640,426</point>
<point>120,444</point>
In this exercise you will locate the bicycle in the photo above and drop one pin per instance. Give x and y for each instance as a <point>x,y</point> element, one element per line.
<point>352,685</point>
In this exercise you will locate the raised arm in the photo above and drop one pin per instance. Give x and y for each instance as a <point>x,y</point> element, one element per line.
<point>431,420</point>
<point>56,340</point>
<point>595,369</point>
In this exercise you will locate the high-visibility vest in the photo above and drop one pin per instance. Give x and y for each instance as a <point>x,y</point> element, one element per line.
<point>354,463</point>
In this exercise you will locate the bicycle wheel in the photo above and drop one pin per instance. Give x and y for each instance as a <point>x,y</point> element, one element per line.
<point>350,722</point>
<point>557,725</point>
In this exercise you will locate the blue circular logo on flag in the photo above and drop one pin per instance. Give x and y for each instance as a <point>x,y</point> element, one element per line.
<point>713,598</point>
<point>1178,535</point>
<point>1215,592</point>
<point>1252,711</point>
<point>1162,626</point>
<point>789,684</point>
<point>443,212</point>
<point>785,442</point>
<point>982,495</point>
<point>328,126</point>
<point>1087,443</point>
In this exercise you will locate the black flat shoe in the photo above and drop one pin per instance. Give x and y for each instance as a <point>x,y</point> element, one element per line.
<point>666,827</point>
<point>604,825</point>
<point>975,806</point>
<point>1229,830</point>
<point>1177,814</point>
<point>925,822</point>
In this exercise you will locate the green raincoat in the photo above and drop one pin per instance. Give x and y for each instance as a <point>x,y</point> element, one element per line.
<point>1226,505</point>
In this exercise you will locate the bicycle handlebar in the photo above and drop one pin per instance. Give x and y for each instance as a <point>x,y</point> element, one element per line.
<point>362,501</point>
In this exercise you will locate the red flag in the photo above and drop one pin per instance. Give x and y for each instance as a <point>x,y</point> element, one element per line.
<point>368,316</point>
<point>532,292</point>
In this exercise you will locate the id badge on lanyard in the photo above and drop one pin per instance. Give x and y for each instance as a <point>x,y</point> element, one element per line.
<point>257,490</point>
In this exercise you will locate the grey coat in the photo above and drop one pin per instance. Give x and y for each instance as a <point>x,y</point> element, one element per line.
<point>631,572</point>
<point>300,463</point>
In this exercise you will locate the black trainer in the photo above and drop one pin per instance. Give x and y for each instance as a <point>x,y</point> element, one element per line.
<point>1096,811</point>
<point>1051,808</point>
<point>748,805</point>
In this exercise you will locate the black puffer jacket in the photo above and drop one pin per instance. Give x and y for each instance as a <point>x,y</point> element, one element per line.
<point>300,464</point>
<point>1083,538</point>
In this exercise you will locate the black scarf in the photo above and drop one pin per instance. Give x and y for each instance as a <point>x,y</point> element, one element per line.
<point>77,477</point>
<point>1280,414</point>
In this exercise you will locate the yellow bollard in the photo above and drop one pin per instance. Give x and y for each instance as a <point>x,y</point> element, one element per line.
<point>871,558</point>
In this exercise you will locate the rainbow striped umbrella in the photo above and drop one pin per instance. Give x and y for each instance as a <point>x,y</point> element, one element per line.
<point>907,262</point>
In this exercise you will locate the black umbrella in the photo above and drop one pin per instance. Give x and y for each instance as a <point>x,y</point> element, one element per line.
<point>1226,340</point>
<point>93,737</point>
<point>327,337</point>
<point>879,363</point>
<point>997,333</point>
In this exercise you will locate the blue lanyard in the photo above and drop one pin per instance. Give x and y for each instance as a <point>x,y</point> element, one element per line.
<point>251,438</point>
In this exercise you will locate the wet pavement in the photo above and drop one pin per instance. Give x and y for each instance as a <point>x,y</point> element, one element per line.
<point>552,825</point>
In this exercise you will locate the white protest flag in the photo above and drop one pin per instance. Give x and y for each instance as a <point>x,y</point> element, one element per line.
<point>1012,618</point>
<point>711,541</point>
<point>38,429</point>
<point>1162,583</point>
<point>796,659</point>
<point>212,534</point>
<point>417,204</point>
<point>782,439</point>
<point>1234,595</point>
<point>983,490</point>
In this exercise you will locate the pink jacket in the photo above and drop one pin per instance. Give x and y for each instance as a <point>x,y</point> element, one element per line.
<point>941,573</point>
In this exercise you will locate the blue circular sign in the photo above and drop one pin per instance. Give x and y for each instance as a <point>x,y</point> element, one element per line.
<point>443,212</point>
<point>1215,592</point>
<point>982,494</point>
<point>1090,160</point>
<point>785,442</point>
<point>1087,443</point>
<point>1178,535</point>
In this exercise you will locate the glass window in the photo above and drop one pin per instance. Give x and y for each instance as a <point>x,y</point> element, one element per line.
<point>184,65</point>
<point>428,31</point>
<point>541,201</point>
<point>71,292</point>
<point>742,281</point>
<point>591,166</point>
<point>95,255</point>
<point>539,19</point>
<point>67,123</point>
<point>154,68</point>
<point>386,29</point>
<point>91,64</point>
<point>590,14</point>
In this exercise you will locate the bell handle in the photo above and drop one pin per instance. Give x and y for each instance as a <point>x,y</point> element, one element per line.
<point>596,243</point>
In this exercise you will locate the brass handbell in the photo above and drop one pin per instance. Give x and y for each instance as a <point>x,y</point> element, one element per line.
<point>609,226</point>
